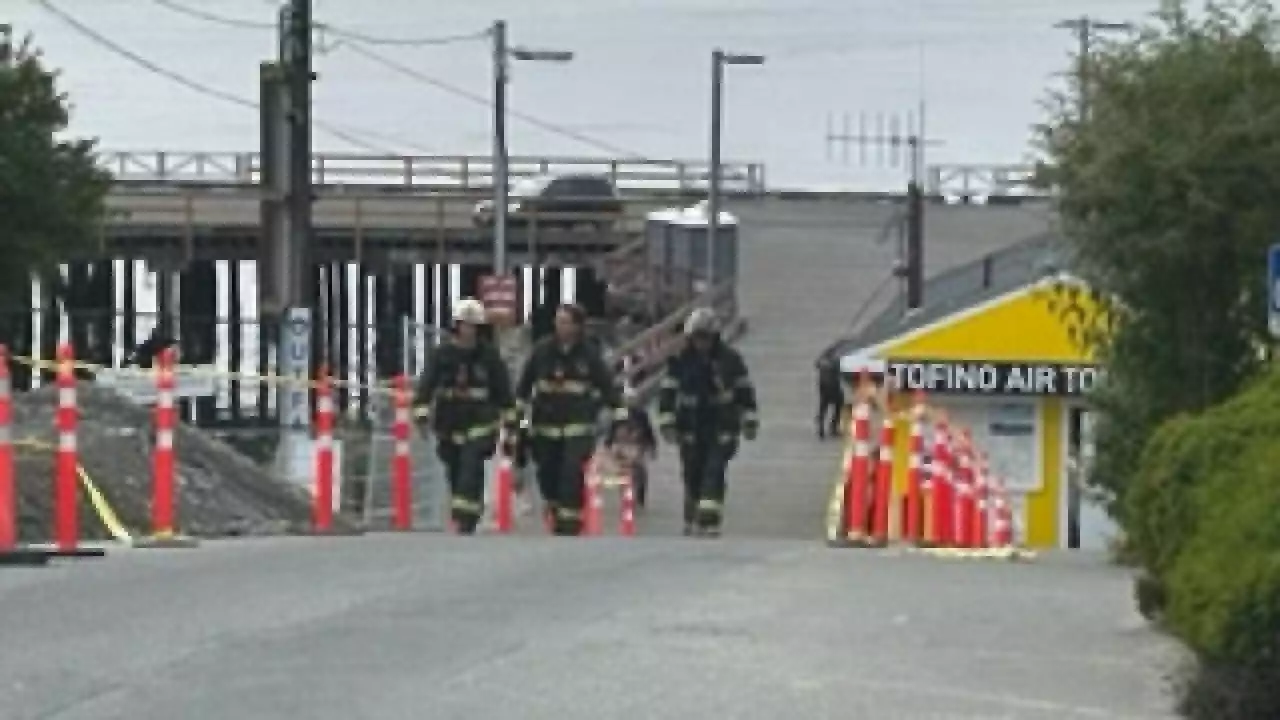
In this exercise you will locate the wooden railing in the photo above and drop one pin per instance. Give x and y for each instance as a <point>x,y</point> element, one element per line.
<point>641,359</point>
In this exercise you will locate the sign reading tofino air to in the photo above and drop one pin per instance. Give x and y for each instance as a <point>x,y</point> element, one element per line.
<point>980,377</point>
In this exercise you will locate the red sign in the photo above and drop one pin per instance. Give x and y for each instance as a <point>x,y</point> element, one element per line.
<point>501,296</point>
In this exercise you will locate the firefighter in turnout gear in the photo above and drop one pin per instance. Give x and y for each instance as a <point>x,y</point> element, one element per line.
<point>565,384</point>
<point>706,400</point>
<point>465,395</point>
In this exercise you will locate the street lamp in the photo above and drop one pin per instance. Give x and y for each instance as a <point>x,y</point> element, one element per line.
<point>501,56</point>
<point>719,58</point>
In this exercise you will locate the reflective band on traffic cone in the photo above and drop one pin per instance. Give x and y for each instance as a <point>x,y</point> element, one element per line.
<point>884,482</point>
<point>504,492</point>
<point>914,506</point>
<point>859,466</point>
<point>982,505</point>
<point>939,483</point>
<point>627,511</point>
<point>8,489</point>
<point>401,490</point>
<point>593,502</point>
<point>162,480</point>
<point>322,515</point>
<point>1002,532</point>
<point>66,496</point>
<point>963,484</point>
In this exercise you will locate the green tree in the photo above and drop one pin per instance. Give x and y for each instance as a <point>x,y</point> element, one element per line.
<point>1167,195</point>
<point>51,188</point>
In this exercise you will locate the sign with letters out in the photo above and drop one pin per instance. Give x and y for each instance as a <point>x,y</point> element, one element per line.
<point>992,378</point>
<point>501,296</point>
<point>295,364</point>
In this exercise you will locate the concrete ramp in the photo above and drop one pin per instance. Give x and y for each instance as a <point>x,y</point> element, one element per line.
<point>808,271</point>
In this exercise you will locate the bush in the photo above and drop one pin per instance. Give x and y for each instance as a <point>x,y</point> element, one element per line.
<point>1162,508</point>
<point>1204,519</point>
<point>1224,590</point>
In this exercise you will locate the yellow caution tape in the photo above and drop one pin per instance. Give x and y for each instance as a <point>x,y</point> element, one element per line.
<point>106,514</point>
<point>1005,553</point>
<point>835,505</point>
<point>195,371</point>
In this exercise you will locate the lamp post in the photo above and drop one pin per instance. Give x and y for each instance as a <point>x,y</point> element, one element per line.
<point>719,58</point>
<point>502,54</point>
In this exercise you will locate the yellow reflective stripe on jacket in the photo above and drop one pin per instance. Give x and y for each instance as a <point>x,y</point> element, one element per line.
<point>563,387</point>
<point>466,506</point>
<point>686,400</point>
<point>709,505</point>
<point>565,513</point>
<point>511,416</point>
<point>474,433</point>
<point>475,393</point>
<point>422,412</point>
<point>563,431</point>
<point>621,415</point>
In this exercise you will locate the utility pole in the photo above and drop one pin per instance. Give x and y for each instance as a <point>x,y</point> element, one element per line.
<point>500,178</point>
<point>1087,29</point>
<point>296,57</point>
<point>890,143</point>
<point>719,58</point>
<point>288,197</point>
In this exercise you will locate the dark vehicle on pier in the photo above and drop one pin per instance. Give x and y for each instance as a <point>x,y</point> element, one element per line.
<point>558,201</point>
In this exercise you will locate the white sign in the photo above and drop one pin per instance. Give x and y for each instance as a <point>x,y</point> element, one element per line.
<point>190,381</point>
<point>295,364</point>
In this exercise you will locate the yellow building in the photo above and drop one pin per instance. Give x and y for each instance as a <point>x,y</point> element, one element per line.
<point>997,346</point>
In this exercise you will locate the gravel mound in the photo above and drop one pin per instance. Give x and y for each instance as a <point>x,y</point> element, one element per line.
<point>220,491</point>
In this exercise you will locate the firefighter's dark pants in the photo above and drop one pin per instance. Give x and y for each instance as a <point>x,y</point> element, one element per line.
<point>464,465</point>
<point>829,402</point>
<point>704,463</point>
<point>561,464</point>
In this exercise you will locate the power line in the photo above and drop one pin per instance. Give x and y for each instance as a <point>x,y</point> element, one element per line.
<point>421,77</point>
<point>326,27</point>
<point>482,100</point>
<point>334,130</point>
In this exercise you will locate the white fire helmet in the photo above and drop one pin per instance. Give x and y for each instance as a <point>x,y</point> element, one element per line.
<point>702,320</point>
<point>470,311</point>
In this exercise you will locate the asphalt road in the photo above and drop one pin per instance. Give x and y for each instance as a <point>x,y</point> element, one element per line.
<point>764,623</point>
<point>531,628</point>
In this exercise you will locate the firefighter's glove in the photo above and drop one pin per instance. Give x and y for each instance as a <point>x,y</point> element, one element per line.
<point>668,433</point>
<point>750,430</point>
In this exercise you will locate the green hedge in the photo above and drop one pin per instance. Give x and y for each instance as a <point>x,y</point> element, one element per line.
<point>1161,505</point>
<point>1204,516</point>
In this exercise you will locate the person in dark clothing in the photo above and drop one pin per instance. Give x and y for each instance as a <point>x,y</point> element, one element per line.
<point>466,391</point>
<point>830,397</point>
<point>636,439</point>
<point>146,352</point>
<point>564,385</point>
<point>706,400</point>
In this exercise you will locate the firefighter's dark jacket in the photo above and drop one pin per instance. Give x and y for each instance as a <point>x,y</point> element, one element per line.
<point>468,391</point>
<point>565,389</point>
<point>712,394</point>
